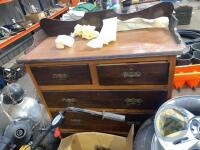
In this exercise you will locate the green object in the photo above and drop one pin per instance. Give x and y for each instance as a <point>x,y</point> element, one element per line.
<point>183,14</point>
<point>86,7</point>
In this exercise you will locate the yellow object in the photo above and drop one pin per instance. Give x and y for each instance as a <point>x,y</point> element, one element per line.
<point>94,140</point>
<point>25,147</point>
<point>135,1</point>
<point>85,31</point>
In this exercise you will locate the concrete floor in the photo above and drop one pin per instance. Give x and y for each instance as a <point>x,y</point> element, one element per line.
<point>27,84</point>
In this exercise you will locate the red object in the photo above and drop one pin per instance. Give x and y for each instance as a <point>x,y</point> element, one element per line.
<point>5,1</point>
<point>57,133</point>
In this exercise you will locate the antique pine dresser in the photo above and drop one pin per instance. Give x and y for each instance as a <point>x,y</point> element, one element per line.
<point>132,76</point>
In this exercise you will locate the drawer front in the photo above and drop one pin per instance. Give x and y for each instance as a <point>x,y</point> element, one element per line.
<point>62,75</point>
<point>81,121</point>
<point>115,99</point>
<point>134,73</point>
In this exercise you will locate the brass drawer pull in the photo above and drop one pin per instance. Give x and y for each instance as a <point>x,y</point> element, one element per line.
<point>75,121</point>
<point>132,74</point>
<point>69,101</point>
<point>133,101</point>
<point>60,76</point>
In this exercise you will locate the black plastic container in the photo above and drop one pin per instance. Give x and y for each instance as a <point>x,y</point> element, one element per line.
<point>196,57</point>
<point>184,14</point>
<point>195,47</point>
<point>184,59</point>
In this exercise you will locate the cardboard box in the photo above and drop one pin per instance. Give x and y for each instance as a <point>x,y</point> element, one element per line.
<point>97,141</point>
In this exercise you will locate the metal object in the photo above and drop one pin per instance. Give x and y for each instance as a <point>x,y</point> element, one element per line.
<point>69,101</point>
<point>178,128</point>
<point>132,74</point>
<point>41,4</point>
<point>13,94</point>
<point>105,115</point>
<point>22,7</point>
<point>19,131</point>
<point>133,101</point>
<point>60,117</point>
<point>4,32</point>
<point>21,117</point>
<point>184,139</point>
<point>75,121</point>
<point>60,76</point>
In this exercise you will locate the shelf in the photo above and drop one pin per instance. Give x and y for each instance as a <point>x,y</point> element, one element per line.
<point>5,1</point>
<point>6,42</point>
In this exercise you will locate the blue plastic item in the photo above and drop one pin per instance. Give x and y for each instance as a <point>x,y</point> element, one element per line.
<point>2,82</point>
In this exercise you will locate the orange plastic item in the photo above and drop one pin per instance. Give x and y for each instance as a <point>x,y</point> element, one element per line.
<point>187,74</point>
<point>75,2</point>
<point>5,1</point>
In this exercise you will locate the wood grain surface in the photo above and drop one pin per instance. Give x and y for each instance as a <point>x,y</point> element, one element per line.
<point>155,73</point>
<point>112,99</point>
<point>93,123</point>
<point>130,44</point>
<point>62,74</point>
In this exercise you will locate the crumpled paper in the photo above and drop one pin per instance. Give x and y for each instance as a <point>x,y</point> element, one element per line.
<point>141,23</point>
<point>108,34</point>
<point>64,40</point>
<point>85,31</point>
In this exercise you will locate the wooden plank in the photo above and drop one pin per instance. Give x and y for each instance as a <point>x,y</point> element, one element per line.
<point>172,61</point>
<point>37,89</point>
<point>103,61</point>
<point>95,87</point>
<point>68,131</point>
<point>93,74</point>
<point>131,44</point>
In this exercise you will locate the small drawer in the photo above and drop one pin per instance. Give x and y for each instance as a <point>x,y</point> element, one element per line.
<point>155,73</point>
<point>86,122</point>
<point>62,75</point>
<point>114,99</point>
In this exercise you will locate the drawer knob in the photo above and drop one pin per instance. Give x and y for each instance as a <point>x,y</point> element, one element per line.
<point>69,101</point>
<point>60,76</point>
<point>133,101</point>
<point>132,74</point>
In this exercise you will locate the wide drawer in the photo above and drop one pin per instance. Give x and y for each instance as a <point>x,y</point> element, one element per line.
<point>86,122</point>
<point>114,99</point>
<point>62,75</point>
<point>133,73</point>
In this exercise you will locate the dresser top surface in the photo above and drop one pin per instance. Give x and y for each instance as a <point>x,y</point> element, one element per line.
<point>129,44</point>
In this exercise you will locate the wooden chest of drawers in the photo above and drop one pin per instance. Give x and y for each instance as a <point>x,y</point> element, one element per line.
<point>132,76</point>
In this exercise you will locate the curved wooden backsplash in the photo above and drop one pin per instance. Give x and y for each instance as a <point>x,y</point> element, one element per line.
<point>55,27</point>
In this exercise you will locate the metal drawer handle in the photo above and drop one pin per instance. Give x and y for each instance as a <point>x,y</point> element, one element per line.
<point>60,76</point>
<point>133,101</point>
<point>75,121</point>
<point>69,101</point>
<point>132,74</point>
